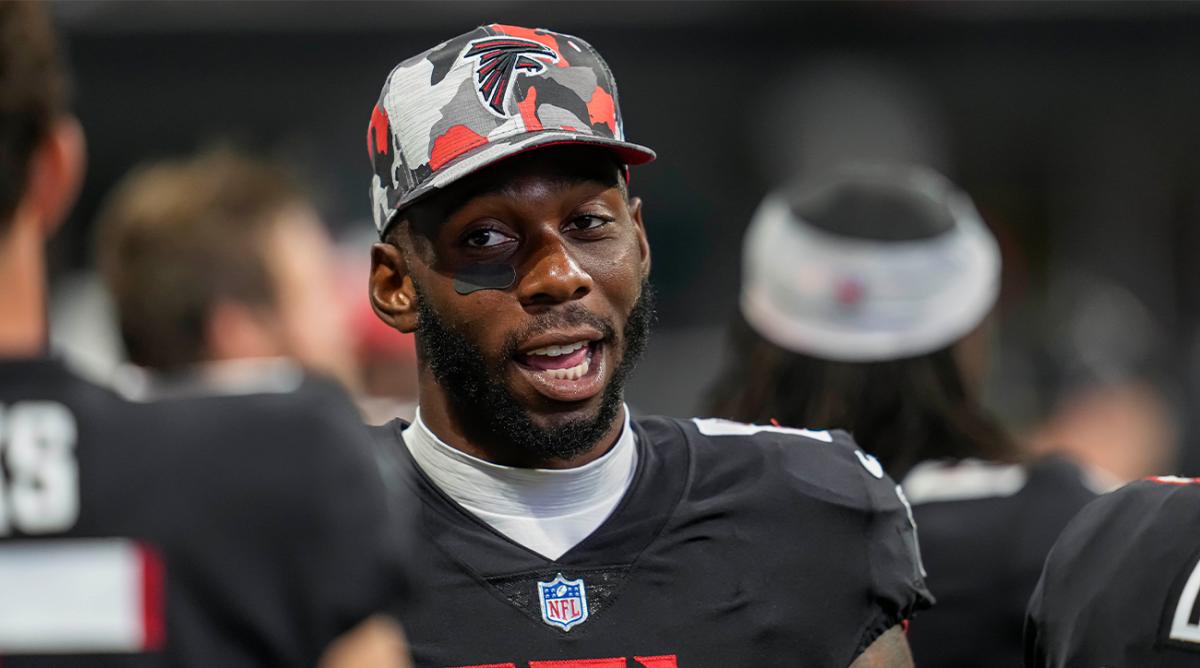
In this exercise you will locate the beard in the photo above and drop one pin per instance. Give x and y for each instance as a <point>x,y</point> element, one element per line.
<point>478,392</point>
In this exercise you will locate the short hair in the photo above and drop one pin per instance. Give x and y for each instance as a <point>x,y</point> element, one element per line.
<point>176,238</point>
<point>33,92</point>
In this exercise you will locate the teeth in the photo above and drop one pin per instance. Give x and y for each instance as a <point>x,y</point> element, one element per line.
<point>573,373</point>
<point>558,351</point>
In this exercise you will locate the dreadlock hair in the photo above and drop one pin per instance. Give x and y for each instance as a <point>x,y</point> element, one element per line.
<point>904,411</point>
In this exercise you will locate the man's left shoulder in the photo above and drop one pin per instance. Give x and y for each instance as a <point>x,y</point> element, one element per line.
<point>781,485</point>
<point>826,465</point>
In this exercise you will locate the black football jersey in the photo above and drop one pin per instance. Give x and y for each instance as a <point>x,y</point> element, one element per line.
<point>214,531</point>
<point>734,546</point>
<point>1120,588</point>
<point>985,532</point>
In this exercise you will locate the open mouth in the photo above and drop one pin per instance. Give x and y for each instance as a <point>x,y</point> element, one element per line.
<point>567,371</point>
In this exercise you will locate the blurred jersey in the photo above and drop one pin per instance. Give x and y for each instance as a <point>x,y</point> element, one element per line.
<point>1122,584</point>
<point>234,530</point>
<point>985,531</point>
<point>734,546</point>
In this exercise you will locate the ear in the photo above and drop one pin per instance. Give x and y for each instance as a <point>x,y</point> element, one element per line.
<point>635,212</point>
<point>56,174</point>
<point>393,295</point>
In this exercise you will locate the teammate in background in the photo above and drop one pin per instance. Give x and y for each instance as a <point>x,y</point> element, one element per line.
<point>211,532</point>
<point>1102,397</point>
<point>862,304</point>
<point>1122,585</point>
<point>564,530</point>
<point>220,259</point>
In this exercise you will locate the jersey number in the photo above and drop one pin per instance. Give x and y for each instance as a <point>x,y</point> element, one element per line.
<point>1184,625</point>
<point>39,477</point>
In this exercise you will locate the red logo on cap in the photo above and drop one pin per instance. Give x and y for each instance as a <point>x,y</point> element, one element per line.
<point>498,60</point>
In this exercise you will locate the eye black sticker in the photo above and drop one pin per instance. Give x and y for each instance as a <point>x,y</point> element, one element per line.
<point>475,277</point>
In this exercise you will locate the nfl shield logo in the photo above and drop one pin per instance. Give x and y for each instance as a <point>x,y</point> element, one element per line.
<point>564,602</point>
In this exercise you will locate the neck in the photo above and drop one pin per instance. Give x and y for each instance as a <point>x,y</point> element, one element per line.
<point>23,299</point>
<point>439,415</point>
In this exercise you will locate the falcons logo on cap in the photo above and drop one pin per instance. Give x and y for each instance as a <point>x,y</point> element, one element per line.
<point>498,59</point>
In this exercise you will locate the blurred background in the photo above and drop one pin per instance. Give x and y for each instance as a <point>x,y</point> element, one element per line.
<point>1073,126</point>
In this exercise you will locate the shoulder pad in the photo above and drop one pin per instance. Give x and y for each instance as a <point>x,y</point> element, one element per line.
<point>1122,580</point>
<point>722,427</point>
<point>786,473</point>
<point>827,465</point>
<point>963,480</point>
<point>840,444</point>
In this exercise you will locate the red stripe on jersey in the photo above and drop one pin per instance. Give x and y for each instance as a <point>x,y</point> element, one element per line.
<point>618,662</point>
<point>153,620</point>
<point>664,661</point>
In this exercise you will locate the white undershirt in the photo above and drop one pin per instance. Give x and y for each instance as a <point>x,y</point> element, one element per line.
<point>548,511</point>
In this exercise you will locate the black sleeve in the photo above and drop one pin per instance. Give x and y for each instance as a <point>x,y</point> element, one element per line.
<point>1115,578</point>
<point>1035,651</point>
<point>872,578</point>
<point>295,544</point>
<point>346,560</point>
<point>893,552</point>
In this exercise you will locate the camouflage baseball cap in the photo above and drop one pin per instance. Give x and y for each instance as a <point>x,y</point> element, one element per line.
<point>480,97</point>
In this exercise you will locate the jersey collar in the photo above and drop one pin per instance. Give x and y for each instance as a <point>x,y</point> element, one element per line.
<point>660,477</point>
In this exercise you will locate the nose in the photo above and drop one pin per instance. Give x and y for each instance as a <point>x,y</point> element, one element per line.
<point>553,277</point>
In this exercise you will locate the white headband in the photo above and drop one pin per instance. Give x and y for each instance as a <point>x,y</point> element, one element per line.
<point>860,300</point>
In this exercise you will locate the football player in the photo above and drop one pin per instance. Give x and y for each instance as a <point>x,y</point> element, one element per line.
<point>566,532</point>
<point>879,330</point>
<point>217,264</point>
<point>224,531</point>
<point>1122,584</point>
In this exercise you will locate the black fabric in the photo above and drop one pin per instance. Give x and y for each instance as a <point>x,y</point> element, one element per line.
<point>767,550</point>
<point>267,510</point>
<point>521,589</point>
<point>873,208</point>
<point>983,558</point>
<point>1114,579</point>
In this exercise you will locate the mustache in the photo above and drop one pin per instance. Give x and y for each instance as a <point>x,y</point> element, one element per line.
<point>570,315</point>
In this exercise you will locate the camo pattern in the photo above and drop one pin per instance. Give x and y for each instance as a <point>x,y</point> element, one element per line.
<point>482,96</point>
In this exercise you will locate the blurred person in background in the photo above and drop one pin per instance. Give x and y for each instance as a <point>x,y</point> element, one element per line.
<point>863,304</point>
<point>1121,586</point>
<point>215,531</point>
<point>219,265</point>
<point>566,531</point>
<point>1105,399</point>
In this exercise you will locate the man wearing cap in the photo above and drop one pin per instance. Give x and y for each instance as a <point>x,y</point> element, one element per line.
<point>562,531</point>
